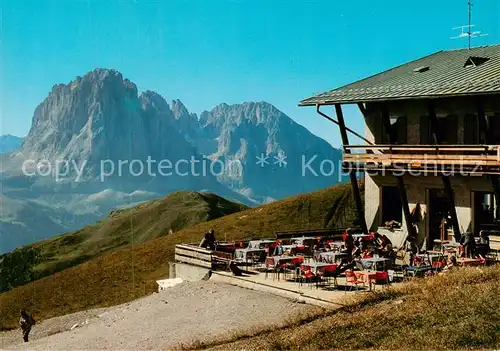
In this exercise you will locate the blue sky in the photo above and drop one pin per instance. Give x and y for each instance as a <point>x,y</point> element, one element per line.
<point>208,52</point>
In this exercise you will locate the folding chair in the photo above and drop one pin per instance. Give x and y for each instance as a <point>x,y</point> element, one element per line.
<point>352,279</point>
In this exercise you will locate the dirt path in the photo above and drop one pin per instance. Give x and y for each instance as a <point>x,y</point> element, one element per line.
<point>186,313</point>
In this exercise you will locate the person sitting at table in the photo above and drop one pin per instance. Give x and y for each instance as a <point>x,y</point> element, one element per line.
<point>383,243</point>
<point>278,250</point>
<point>356,242</point>
<point>356,252</point>
<point>348,242</point>
<point>483,244</point>
<point>370,237</point>
<point>366,254</point>
<point>318,245</point>
<point>483,238</point>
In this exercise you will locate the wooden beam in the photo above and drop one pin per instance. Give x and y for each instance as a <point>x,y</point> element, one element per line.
<point>385,169</point>
<point>398,147</point>
<point>352,173</point>
<point>362,109</point>
<point>347,129</point>
<point>403,196</point>
<point>446,180</point>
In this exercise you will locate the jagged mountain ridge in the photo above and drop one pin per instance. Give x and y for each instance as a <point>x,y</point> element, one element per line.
<point>102,117</point>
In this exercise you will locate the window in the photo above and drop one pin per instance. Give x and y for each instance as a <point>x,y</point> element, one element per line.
<point>486,212</point>
<point>391,207</point>
<point>475,61</point>
<point>446,130</point>
<point>399,127</point>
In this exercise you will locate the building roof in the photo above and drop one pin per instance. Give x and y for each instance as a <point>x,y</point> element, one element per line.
<point>444,73</point>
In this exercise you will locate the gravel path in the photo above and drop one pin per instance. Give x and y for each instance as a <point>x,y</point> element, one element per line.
<point>189,312</point>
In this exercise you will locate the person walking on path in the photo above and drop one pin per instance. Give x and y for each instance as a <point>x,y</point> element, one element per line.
<point>26,322</point>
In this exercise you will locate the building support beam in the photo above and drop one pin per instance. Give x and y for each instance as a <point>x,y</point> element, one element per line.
<point>412,235</point>
<point>446,179</point>
<point>352,173</point>
<point>483,130</point>
<point>347,129</point>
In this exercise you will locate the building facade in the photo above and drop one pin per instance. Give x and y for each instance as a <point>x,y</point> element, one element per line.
<point>430,152</point>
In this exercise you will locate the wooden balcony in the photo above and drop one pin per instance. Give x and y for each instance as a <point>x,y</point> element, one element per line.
<point>460,159</point>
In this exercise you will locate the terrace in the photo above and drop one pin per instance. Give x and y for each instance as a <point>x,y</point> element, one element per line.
<point>319,270</point>
<point>463,159</point>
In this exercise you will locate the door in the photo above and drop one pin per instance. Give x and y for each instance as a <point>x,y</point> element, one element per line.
<point>439,208</point>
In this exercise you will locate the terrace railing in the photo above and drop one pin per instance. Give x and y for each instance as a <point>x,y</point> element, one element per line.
<point>465,158</point>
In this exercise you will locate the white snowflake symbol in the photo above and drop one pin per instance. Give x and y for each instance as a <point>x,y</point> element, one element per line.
<point>262,160</point>
<point>280,160</point>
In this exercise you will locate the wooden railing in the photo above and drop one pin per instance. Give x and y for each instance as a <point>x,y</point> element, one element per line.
<point>194,255</point>
<point>485,157</point>
<point>199,256</point>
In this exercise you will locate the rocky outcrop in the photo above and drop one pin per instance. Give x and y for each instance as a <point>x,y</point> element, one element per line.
<point>278,157</point>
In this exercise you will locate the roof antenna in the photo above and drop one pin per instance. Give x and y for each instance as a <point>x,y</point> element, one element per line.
<point>466,30</point>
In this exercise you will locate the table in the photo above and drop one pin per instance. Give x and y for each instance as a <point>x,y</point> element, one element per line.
<point>317,266</point>
<point>330,257</point>
<point>469,262</point>
<point>275,261</point>
<point>432,257</point>
<point>360,236</point>
<point>415,271</point>
<point>451,246</point>
<point>243,255</point>
<point>373,263</point>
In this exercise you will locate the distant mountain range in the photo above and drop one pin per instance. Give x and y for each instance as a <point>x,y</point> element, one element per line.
<point>96,144</point>
<point>9,143</point>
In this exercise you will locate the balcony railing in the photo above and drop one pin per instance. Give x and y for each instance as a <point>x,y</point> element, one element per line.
<point>483,159</point>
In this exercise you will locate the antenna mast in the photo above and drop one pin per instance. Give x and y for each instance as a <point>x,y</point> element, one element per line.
<point>469,23</point>
<point>469,33</point>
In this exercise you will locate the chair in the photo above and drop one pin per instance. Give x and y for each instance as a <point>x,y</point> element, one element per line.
<point>332,271</point>
<point>352,279</point>
<point>382,277</point>
<point>307,275</point>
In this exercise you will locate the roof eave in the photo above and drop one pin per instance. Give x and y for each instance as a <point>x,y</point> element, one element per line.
<point>396,98</point>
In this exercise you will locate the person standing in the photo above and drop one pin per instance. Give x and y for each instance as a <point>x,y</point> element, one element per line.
<point>208,241</point>
<point>469,244</point>
<point>26,322</point>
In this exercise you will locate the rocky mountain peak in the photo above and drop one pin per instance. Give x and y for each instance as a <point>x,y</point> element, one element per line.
<point>150,99</point>
<point>179,109</point>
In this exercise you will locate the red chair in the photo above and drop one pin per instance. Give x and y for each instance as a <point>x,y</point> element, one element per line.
<point>381,277</point>
<point>352,279</point>
<point>307,275</point>
<point>330,272</point>
<point>438,265</point>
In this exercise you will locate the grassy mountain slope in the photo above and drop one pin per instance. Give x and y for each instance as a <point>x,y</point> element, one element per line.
<point>126,274</point>
<point>147,221</point>
<point>456,311</point>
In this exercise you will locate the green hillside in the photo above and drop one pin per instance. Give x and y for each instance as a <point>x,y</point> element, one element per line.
<point>147,221</point>
<point>123,275</point>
